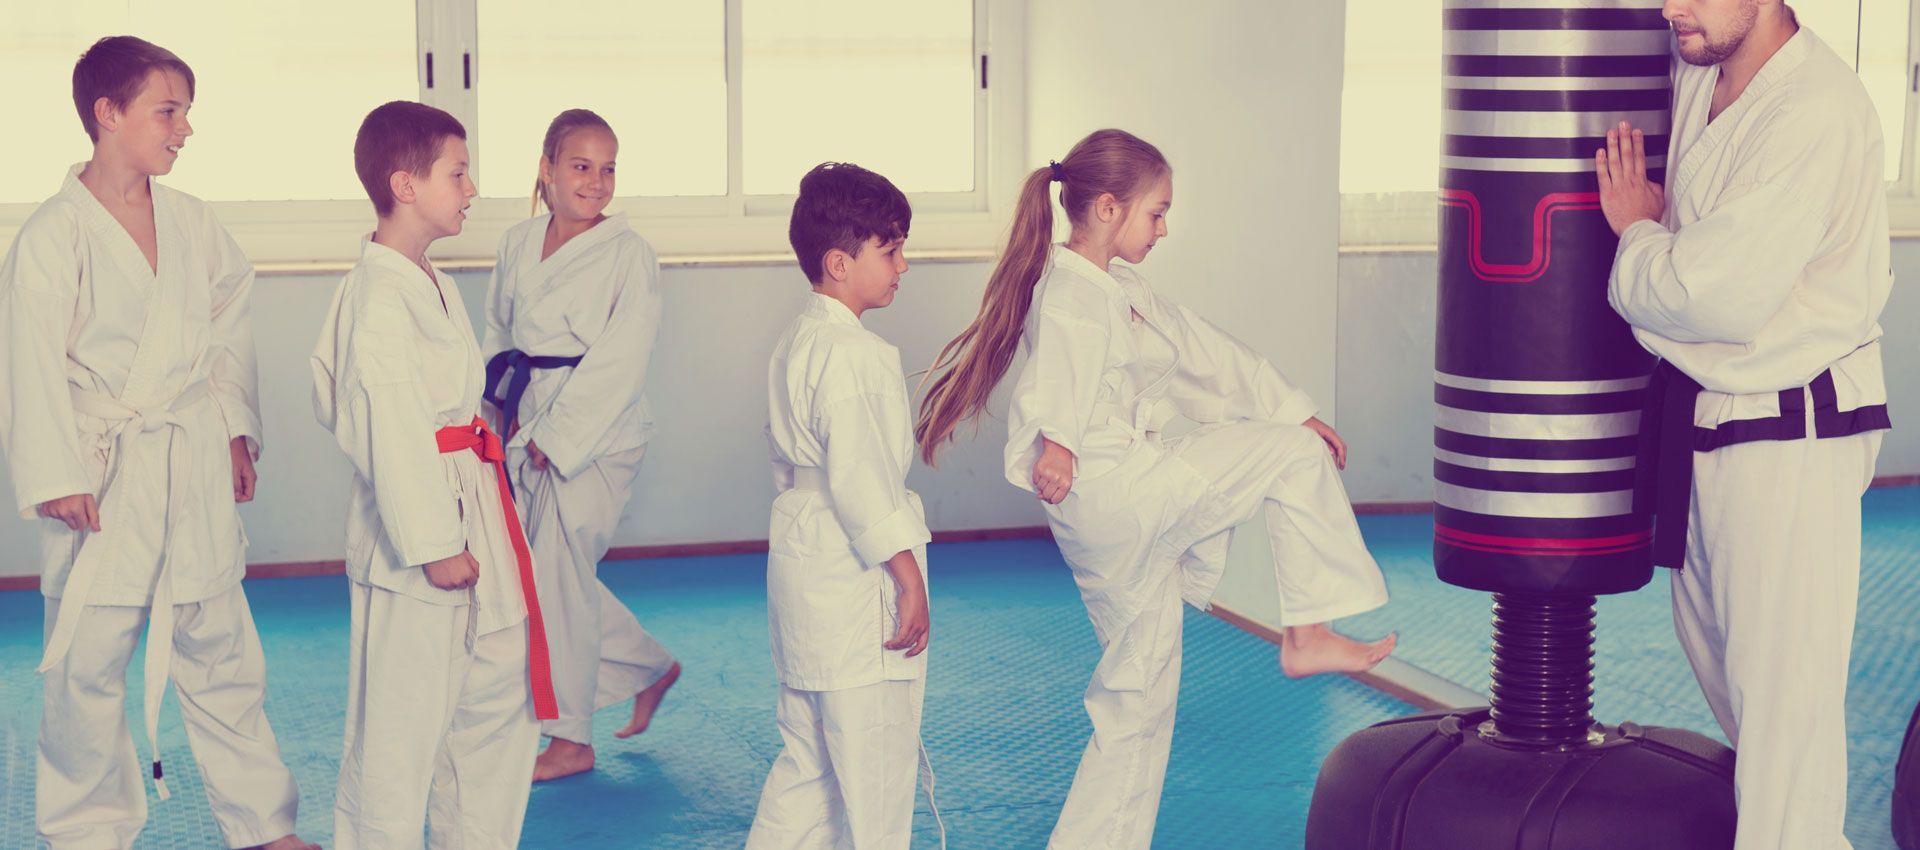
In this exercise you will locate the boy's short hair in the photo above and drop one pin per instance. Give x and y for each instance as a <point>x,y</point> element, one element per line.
<point>842,205</point>
<point>399,136</point>
<point>115,68</point>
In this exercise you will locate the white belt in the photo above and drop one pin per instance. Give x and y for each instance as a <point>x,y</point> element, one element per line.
<point>124,425</point>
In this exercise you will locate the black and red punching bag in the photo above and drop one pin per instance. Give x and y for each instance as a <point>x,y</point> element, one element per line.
<point>1538,387</point>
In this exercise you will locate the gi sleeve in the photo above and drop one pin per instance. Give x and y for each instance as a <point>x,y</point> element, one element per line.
<point>387,431</point>
<point>39,286</point>
<point>856,424</point>
<point>1721,278</point>
<point>233,366</point>
<point>611,377</point>
<point>1221,379</point>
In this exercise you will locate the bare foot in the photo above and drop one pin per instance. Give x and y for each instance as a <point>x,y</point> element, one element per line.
<point>1306,650</point>
<point>562,758</point>
<point>290,842</point>
<point>646,701</point>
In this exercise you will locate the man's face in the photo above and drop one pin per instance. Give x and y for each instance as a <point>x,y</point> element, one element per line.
<point>1709,31</point>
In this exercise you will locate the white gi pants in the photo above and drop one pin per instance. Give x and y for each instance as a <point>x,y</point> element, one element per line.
<point>600,654</point>
<point>1765,611</point>
<point>847,775</point>
<point>436,734</point>
<point>90,792</point>
<point>1324,572</point>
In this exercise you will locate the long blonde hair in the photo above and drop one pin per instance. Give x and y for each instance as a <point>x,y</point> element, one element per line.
<point>562,124</point>
<point>1107,162</point>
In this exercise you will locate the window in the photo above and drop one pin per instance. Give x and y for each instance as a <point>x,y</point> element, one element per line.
<point>1391,95</point>
<point>655,69</point>
<point>858,80</point>
<point>280,89</point>
<point>720,107</point>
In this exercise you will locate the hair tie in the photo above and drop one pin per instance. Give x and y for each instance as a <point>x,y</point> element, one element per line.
<point>1059,171</point>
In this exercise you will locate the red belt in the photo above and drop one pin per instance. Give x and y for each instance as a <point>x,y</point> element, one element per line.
<point>486,444</point>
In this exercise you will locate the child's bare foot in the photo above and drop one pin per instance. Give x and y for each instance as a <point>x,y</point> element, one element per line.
<point>562,758</point>
<point>1306,650</point>
<point>290,842</point>
<point>646,701</point>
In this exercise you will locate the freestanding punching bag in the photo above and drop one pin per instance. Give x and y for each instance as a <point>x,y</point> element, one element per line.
<point>1538,387</point>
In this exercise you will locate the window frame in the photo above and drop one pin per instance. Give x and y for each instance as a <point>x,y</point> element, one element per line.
<point>1396,222</point>
<point>734,225</point>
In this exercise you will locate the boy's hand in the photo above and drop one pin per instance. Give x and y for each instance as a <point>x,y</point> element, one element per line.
<point>78,511</point>
<point>456,573</point>
<point>243,474</point>
<point>1053,472</point>
<point>536,457</point>
<point>1332,438</point>
<point>913,630</point>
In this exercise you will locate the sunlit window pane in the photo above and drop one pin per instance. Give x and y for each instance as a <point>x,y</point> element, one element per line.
<point>884,84</point>
<point>281,88</point>
<point>1390,104</point>
<point>655,69</point>
<point>1872,37</point>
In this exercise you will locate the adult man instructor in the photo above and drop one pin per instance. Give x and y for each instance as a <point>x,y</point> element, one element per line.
<point>1757,275</point>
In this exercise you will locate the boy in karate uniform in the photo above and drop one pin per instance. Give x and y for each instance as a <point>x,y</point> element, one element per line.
<point>447,659</point>
<point>846,580</point>
<point>131,421</point>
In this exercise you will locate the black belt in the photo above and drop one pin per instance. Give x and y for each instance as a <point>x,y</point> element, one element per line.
<point>1663,473</point>
<point>521,365</point>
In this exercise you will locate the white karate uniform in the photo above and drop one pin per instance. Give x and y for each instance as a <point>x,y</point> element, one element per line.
<point>597,297</point>
<point>1148,520</point>
<point>842,441</point>
<point>1764,282</point>
<point>438,691</point>
<point>128,382</point>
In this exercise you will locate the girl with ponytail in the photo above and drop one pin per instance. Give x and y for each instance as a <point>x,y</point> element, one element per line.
<point>571,316</point>
<point>1144,518</point>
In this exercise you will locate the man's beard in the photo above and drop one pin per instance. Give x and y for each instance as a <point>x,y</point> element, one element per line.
<point>1711,52</point>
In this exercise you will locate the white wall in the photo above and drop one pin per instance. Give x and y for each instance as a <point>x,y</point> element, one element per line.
<point>705,478</point>
<point>1244,99</point>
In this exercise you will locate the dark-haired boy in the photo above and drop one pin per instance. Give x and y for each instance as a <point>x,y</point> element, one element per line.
<point>130,419</point>
<point>846,580</point>
<point>447,676</point>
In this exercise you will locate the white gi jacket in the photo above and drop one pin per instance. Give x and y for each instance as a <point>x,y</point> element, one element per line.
<point>395,363</point>
<point>1768,272</point>
<point>113,372</point>
<point>841,431</point>
<point>1134,512</point>
<point>597,296</point>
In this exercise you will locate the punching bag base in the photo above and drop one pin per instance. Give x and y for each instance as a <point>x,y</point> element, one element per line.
<point>1440,781</point>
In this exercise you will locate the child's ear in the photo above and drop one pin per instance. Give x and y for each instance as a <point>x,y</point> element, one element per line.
<point>546,171</point>
<point>401,184</point>
<point>105,116</point>
<point>834,267</point>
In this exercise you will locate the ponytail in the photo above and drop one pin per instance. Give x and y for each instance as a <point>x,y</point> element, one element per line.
<point>1106,162</point>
